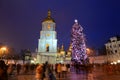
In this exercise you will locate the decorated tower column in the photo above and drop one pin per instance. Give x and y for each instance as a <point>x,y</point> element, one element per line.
<point>78,44</point>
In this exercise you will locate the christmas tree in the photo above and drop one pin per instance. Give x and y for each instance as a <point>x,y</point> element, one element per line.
<point>78,44</point>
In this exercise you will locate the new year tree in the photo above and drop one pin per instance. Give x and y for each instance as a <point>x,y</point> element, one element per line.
<point>78,44</point>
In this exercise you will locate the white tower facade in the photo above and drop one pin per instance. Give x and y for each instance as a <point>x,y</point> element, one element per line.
<point>47,44</point>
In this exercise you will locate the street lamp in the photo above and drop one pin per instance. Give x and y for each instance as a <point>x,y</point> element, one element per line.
<point>3,51</point>
<point>88,51</point>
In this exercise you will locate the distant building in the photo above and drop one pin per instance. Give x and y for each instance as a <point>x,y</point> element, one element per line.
<point>98,59</point>
<point>64,56</point>
<point>113,49</point>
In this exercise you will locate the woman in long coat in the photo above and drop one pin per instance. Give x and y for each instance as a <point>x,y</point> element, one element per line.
<point>39,71</point>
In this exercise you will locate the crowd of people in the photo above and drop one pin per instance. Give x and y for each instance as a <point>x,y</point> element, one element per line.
<point>52,71</point>
<point>9,69</point>
<point>111,68</point>
<point>41,71</point>
<point>80,68</point>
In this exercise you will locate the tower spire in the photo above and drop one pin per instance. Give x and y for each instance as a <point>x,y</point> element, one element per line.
<point>49,18</point>
<point>49,13</point>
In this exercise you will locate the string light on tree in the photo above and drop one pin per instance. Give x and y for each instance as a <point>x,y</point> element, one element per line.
<point>78,44</point>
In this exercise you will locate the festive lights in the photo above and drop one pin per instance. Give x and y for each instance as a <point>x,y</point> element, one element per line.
<point>78,44</point>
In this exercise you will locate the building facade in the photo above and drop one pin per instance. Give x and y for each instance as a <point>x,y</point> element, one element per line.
<point>98,59</point>
<point>113,49</point>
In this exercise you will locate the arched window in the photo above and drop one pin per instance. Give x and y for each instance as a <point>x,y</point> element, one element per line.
<point>47,47</point>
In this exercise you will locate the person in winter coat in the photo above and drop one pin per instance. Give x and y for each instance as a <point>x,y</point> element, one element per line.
<point>39,71</point>
<point>59,70</point>
<point>64,70</point>
<point>3,71</point>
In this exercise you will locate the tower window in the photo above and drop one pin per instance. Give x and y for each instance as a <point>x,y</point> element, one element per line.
<point>48,26</point>
<point>114,45</point>
<point>115,51</point>
<point>110,46</point>
<point>47,47</point>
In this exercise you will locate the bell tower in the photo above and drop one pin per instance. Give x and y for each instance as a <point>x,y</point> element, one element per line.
<point>47,44</point>
<point>48,41</point>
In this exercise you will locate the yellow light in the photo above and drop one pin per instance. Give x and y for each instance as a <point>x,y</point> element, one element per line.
<point>88,50</point>
<point>3,48</point>
<point>48,26</point>
<point>118,61</point>
<point>114,62</point>
<point>62,53</point>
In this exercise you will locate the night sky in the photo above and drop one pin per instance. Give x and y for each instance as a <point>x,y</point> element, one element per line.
<point>20,21</point>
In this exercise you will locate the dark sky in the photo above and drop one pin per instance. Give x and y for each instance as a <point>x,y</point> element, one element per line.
<point>20,21</point>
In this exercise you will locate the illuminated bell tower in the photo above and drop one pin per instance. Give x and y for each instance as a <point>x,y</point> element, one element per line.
<point>47,44</point>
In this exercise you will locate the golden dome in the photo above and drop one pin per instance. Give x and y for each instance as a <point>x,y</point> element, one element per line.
<point>49,18</point>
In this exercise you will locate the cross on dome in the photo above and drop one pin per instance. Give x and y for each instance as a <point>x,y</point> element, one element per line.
<point>49,13</point>
<point>49,18</point>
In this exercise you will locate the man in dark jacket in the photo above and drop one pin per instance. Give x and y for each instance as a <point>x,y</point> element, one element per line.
<point>3,71</point>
